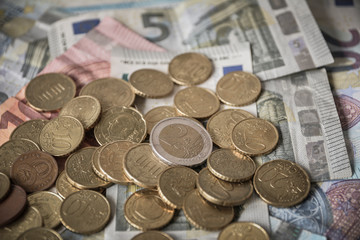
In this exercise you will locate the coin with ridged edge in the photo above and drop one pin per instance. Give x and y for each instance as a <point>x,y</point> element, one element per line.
<point>243,231</point>
<point>157,114</point>
<point>96,164</point>
<point>152,235</point>
<point>63,187</point>
<point>35,233</point>
<point>4,185</point>
<point>29,130</point>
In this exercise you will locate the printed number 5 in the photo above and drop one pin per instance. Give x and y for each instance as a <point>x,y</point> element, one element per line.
<point>147,21</point>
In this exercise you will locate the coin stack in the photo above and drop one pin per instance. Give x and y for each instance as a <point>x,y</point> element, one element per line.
<point>176,165</point>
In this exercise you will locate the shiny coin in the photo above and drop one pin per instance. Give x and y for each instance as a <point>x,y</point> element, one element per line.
<point>86,109</point>
<point>11,150</point>
<point>13,205</point>
<point>110,92</point>
<point>190,69</point>
<point>61,135</point>
<point>35,233</point>
<point>4,186</point>
<point>48,204</point>
<point>151,83</point>
<point>85,212</point>
<point>181,141</point>
<point>231,165</point>
<point>142,167</point>
<point>145,210</point>
<point>205,215</point>
<point>238,88</point>
<point>34,171</point>
<point>152,235</point>
<point>63,187</point>
<point>220,192</point>
<point>196,102</point>
<point>49,92</point>
<point>120,123</point>
<point>155,115</point>
<point>96,164</point>
<point>29,130</point>
<point>243,231</point>
<point>221,124</point>
<point>175,183</point>
<point>281,183</point>
<point>255,136</point>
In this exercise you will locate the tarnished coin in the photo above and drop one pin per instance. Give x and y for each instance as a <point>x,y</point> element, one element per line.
<point>243,231</point>
<point>61,136</point>
<point>50,92</point>
<point>220,192</point>
<point>157,114</point>
<point>85,212</point>
<point>196,102</point>
<point>255,136</point>
<point>110,92</point>
<point>190,69</point>
<point>4,185</point>
<point>145,210</point>
<point>151,83</point>
<point>11,150</point>
<point>175,183</point>
<point>231,165</point>
<point>35,233</point>
<point>85,108</point>
<point>281,183</point>
<point>48,204</point>
<point>79,171</point>
<point>221,124</point>
<point>63,187</point>
<point>238,88</point>
<point>142,166</point>
<point>205,215</point>
<point>120,123</point>
<point>152,235</point>
<point>13,205</point>
<point>96,163</point>
<point>181,141</point>
<point>29,130</point>
<point>34,171</point>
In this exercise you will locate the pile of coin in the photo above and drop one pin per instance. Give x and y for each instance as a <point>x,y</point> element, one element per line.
<point>165,164</point>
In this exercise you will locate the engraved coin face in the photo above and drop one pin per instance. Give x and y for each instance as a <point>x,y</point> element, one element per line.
<point>110,92</point>
<point>13,205</point>
<point>34,171</point>
<point>50,92</point>
<point>45,233</point>
<point>238,88</point>
<point>243,231</point>
<point>145,210</point>
<point>221,124</point>
<point>63,187</point>
<point>4,185</point>
<point>29,130</point>
<point>61,135</point>
<point>152,235</point>
<point>281,183</point>
<point>190,69</point>
<point>196,102</point>
<point>181,141</point>
<point>85,212</point>
<point>120,123</point>
<point>151,83</point>
<point>155,115</point>
<point>254,136</point>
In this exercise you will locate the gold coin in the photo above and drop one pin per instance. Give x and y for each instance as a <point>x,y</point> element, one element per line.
<point>196,102</point>
<point>63,187</point>
<point>175,183</point>
<point>43,232</point>
<point>79,171</point>
<point>205,215</point>
<point>85,212</point>
<point>142,167</point>
<point>111,160</point>
<point>281,183</point>
<point>231,165</point>
<point>48,204</point>
<point>29,130</point>
<point>11,150</point>
<point>238,88</point>
<point>50,92</point>
<point>220,192</point>
<point>151,83</point>
<point>31,218</point>
<point>61,136</point>
<point>221,124</point>
<point>157,114</point>
<point>110,92</point>
<point>4,185</point>
<point>152,235</point>
<point>254,136</point>
<point>120,123</point>
<point>190,69</point>
<point>86,109</point>
<point>243,231</point>
<point>145,210</point>
<point>17,26</point>
<point>96,164</point>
